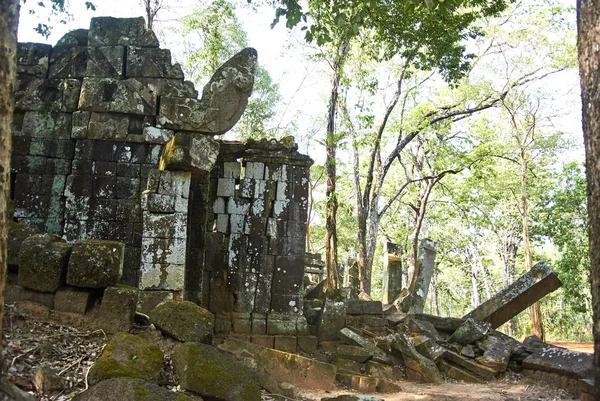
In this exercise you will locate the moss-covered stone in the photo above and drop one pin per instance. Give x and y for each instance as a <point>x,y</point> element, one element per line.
<point>96,263</point>
<point>215,374</point>
<point>126,355</point>
<point>17,233</point>
<point>43,262</point>
<point>117,309</point>
<point>184,321</point>
<point>130,390</point>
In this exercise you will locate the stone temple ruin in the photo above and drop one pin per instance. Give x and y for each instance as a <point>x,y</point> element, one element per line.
<point>127,207</point>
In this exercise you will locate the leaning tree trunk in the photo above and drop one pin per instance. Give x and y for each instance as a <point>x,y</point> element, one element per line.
<point>331,257</point>
<point>588,15</point>
<point>8,70</point>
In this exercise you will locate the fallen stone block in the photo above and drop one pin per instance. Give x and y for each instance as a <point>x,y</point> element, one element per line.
<point>96,263</point>
<point>124,388</point>
<point>73,300</point>
<point>396,318</point>
<point>117,309</point>
<point>349,337</point>
<point>470,331</point>
<point>573,364</point>
<point>528,289</point>
<point>43,262</point>
<point>386,386</point>
<point>418,367</point>
<point>215,374</point>
<point>496,353</point>
<point>381,371</point>
<point>354,353</point>
<point>364,384</point>
<point>300,371</point>
<point>467,351</point>
<point>458,373</point>
<point>185,321</point>
<point>348,366</point>
<point>126,355</point>
<point>470,365</point>
<point>148,300</point>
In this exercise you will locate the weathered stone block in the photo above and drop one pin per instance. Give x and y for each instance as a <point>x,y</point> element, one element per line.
<point>95,263</point>
<point>308,344</point>
<point>164,250</point>
<point>109,31</point>
<point>286,343</point>
<point>162,276</point>
<point>157,135</point>
<point>354,353</point>
<point>528,289</point>
<point>117,309</point>
<point>16,293</point>
<point>223,102</point>
<point>47,94</point>
<point>264,340</point>
<point>364,384</point>
<point>43,124</point>
<point>573,364</point>
<point>151,63</point>
<point>127,355</point>
<point>68,62</point>
<point>184,321</point>
<point>357,307</point>
<point>418,367</point>
<point>43,262</point>
<point>105,61</point>
<point>108,126</point>
<point>32,59</point>
<point>165,225</point>
<point>190,152</point>
<point>470,365</point>
<point>17,233</point>
<point>157,203</point>
<point>347,366</point>
<point>72,300</point>
<point>281,324</point>
<point>215,374</point>
<point>117,96</point>
<point>282,366</point>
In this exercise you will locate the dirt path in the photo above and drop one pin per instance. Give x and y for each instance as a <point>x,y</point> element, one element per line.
<point>574,346</point>
<point>511,388</point>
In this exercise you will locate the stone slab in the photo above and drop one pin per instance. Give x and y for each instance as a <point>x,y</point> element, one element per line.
<point>528,289</point>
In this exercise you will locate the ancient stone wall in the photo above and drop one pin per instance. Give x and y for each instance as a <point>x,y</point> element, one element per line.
<point>111,143</point>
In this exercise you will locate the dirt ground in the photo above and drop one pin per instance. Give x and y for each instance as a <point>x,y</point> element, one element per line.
<point>511,388</point>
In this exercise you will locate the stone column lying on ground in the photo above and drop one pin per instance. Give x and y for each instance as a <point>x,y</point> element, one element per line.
<point>419,285</point>
<point>529,288</point>
<point>392,272</point>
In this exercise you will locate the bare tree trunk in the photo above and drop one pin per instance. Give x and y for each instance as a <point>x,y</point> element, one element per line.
<point>9,18</point>
<point>331,257</point>
<point>475,300</point>
<point>537,326</point>
<point>588,15</point>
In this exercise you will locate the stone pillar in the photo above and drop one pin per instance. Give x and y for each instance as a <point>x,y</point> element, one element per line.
<point>427,252</point>
<point>351,279</point>
<point>392,272</point>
